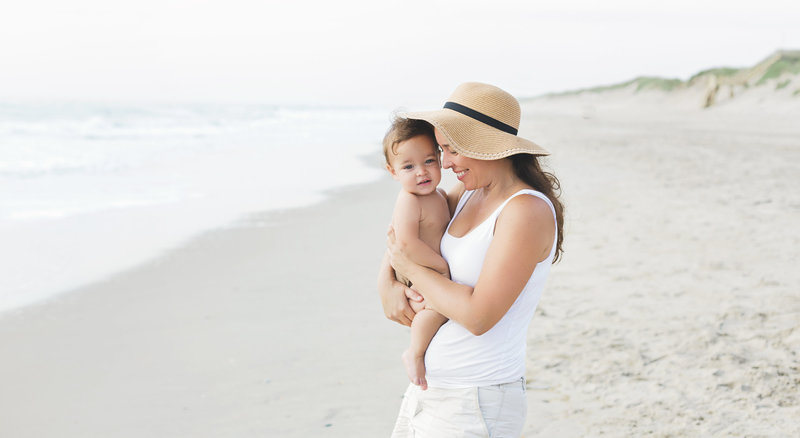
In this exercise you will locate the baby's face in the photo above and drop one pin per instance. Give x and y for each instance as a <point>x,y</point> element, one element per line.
<point>416,165</point>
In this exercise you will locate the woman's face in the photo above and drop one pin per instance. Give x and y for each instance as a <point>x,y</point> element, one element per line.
<point>467,170</point>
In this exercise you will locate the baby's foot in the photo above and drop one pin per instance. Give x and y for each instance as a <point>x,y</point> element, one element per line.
<point>415,367</point>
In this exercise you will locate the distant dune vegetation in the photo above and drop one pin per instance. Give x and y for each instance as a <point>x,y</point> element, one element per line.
<point>778,72</point>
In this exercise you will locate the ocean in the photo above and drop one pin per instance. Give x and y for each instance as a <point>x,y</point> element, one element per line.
<point>88,190</point>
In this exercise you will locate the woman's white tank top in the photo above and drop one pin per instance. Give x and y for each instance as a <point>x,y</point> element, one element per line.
<point>458,359</point>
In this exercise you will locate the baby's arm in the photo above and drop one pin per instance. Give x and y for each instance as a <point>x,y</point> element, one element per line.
<point>407,214</point>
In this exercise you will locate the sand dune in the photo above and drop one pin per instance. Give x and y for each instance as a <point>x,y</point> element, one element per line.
<point>772,84</point>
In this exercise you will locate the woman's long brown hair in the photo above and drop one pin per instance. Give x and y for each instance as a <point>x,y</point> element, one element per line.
<point>527,168</point>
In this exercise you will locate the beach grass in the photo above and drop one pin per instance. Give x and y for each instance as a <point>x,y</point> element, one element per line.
<point>657,83</point>
<point>790,65</point>
<point>638,84</point>
<point>717,71</point>
<point>777,65</point>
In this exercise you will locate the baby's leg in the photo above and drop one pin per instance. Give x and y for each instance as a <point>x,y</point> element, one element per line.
<point>424,326</point>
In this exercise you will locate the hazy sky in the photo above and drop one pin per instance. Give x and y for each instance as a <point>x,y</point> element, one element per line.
<point>351,52</point>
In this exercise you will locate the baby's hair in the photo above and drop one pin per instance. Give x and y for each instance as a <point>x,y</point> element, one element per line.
<point>403,129</point>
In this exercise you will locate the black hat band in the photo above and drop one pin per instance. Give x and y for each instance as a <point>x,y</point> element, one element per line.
<point>481,117</point>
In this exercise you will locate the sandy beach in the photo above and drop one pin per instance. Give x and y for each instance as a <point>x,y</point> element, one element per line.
<point>675,310</point>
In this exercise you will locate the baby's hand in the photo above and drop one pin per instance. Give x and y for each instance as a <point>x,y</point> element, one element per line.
<point>413,295</point>
<point>416,306</point>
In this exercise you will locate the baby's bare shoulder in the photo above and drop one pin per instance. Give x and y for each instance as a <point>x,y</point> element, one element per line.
<point>434,209</point>
<point>407,204</point>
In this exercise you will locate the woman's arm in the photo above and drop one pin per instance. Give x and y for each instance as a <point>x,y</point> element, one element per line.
<point>523,237</point>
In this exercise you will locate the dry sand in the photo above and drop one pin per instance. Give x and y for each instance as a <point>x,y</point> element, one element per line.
<point>675,311</point>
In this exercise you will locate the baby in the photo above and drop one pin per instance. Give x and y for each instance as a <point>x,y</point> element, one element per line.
<point>419,220</point>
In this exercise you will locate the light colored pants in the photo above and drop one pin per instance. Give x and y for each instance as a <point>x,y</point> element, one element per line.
<point>487,412</point>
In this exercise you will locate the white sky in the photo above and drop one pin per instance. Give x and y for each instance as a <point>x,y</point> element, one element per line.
<point>352,52</point>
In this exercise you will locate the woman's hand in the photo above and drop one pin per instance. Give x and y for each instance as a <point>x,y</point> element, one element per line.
<point>395,296</point>
<point>395,303</point>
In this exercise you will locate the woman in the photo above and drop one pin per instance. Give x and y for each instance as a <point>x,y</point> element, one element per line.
<point>505,232</point>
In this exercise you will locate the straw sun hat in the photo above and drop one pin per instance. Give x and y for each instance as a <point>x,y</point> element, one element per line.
<point>480,121</point>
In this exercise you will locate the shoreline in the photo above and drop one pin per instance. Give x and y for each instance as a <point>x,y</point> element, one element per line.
<point>174,227</point>
<point>193,340</point>
<point>89,191</point>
